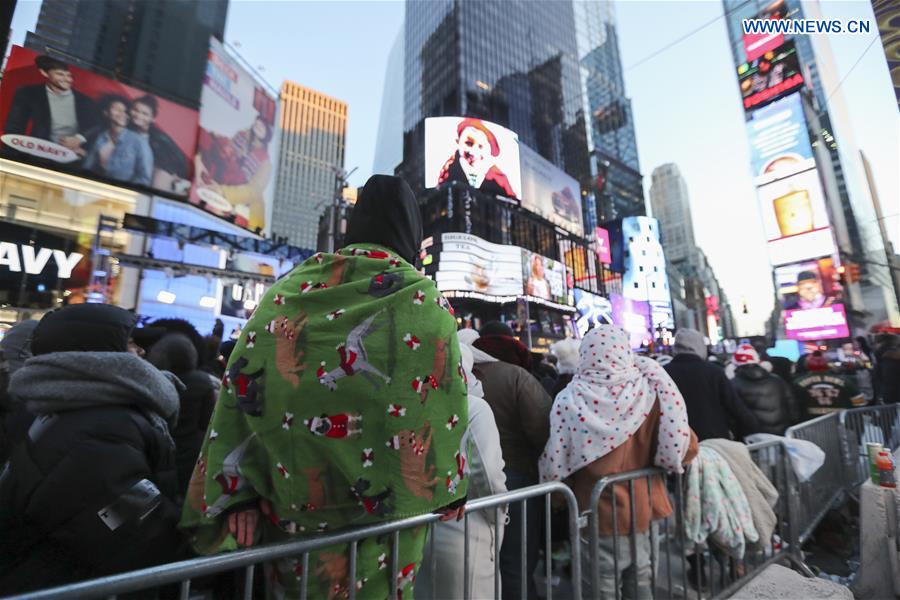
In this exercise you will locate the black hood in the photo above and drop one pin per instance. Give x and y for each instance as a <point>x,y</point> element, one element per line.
<point>174,352</point>
<point>387,214</point>
<point>751,371</point>
<point>84,328</point>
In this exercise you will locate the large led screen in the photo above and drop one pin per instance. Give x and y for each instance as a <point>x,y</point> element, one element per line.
<point>61,117</point>
<point>236,154</point>
<point>811,299</point>
<point>544,277</point>
<point>477,153</point>
<point>549,192</point>
<point>634,317</point>
<point>779,142</point>
<point>795,218</point>
<point>757,44</point>
<point>770,76</point>
<point>467,263</point>
<point>593,311</point>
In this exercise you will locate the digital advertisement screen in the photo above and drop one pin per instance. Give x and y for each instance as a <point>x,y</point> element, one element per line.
<point>770,76</point>
<point>601,239</point>
<point>549,192</point>
<point>593,311</point>
<point>808,285</point>
<point>467,263</point>
<point>826,323</point>
<point>779,142</point>
<point>477,153</point>
<point>544,277</point>
<point>645,277</point>
<point>634,317</point>
<point>236,153</point>
<point>61,117</point>
<point>757,44</point>
<point>795,219</point>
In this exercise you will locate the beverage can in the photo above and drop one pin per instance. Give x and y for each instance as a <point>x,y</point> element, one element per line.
<point>886,469</point>
<point>872,449</point>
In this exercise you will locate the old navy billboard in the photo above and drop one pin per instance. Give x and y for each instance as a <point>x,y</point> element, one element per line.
<point>58,116</point>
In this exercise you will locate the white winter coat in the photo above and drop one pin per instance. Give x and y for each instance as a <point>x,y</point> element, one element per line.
<point>444,578</point>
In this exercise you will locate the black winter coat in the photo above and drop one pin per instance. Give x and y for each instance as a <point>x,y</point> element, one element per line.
<point>768,396</point>
<point>88,493</point>
<point>714,411</point>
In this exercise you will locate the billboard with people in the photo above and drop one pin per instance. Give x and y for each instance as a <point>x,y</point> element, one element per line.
<point>59,116</point>
<point>467,263</point>
<point>544,277</point>
<point>234,163</point>
<point>474,152</point>
<point>811,297</point>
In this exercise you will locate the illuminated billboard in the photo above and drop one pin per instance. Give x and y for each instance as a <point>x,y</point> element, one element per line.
<point>770,76</point>
<point>795,219</point>
<point>235,159</point>
<point>779,142</point>
<point>601,239</point>
<point>477,153</point>
<point>61,117</point>
<point>634,317</point>
<point>757,44</point>
<point>467,263</point>
<point>544,277</point>
<point>645,276</point>
<point>812,300</point>
<point>549,192</point>
<point>593,311</point>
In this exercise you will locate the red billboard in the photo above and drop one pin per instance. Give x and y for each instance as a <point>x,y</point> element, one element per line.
<point>757,44</point>
<point>770,76</point>
<point>65,118</point>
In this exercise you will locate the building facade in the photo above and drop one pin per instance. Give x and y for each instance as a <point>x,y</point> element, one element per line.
<point>672,206</point>
<point>389,139</point>
<point>313,129</point>
<point>161,45</point>
<point>836,160</point>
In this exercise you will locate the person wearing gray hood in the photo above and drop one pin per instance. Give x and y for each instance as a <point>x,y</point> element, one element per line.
<point>714,410</point>
<point>89,490</point>
<point>15,349</point>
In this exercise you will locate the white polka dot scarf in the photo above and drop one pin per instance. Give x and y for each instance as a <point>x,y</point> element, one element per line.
<point>609,398</point>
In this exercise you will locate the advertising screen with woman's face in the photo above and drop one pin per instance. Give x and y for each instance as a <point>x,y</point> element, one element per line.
<point>58,116</point>
<point>233,166</point>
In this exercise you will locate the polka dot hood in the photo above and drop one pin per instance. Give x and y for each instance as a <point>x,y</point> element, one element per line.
<point>609,398</point>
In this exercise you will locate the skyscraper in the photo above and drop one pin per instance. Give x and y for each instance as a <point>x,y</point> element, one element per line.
<point>161,45</point>
<point>312,128</point>
<point>671,205</point>
<point>836,160</point>
<point>549,71</point>
<point>389,140</point>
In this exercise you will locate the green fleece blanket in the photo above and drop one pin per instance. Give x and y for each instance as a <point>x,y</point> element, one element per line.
<point>344,404</point>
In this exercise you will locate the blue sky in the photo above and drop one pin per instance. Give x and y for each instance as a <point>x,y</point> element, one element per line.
<point>686,104</point>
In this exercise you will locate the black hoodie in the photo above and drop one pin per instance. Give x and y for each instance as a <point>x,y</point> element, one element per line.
<point>768,396</point>
<point>387,214</point>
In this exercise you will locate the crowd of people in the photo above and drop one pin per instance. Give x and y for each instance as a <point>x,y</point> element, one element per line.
<point>351,399</point>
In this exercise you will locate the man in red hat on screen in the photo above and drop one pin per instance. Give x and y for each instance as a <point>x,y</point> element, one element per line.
<point>472,164</point>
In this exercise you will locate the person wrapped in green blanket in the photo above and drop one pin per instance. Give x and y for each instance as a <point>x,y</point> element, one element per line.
<point>344,404</point>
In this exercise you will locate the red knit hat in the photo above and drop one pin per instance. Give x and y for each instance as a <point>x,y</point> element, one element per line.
<point>480,126</point>
<point>745,354</point>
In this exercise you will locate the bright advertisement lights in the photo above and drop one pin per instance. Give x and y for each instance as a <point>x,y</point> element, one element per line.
<point>544,277</point>
<point>473,152</point>
<point>235,147</point>
<point>645,276</point>
<point>826,323</point>
<point>811,297</point>
<point>467,263</point>
<point>549,192</point>
<point>795,219</point>
<point>771,75</point>
<point>208,302</point>
<point>165,297</point>
<point>634,317</point>
<point>757,44</point>
<point>601,238</point>
<point>593,311</point>
<point>779,142</point>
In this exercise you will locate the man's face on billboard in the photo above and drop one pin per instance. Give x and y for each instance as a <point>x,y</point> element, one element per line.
<point>809,289</point>
<point>474,147</point>
<point>141,116</point>
<point>59,80</point>
<point>117,113</point>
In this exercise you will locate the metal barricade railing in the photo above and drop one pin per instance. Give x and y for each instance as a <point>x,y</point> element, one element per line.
<point>878,424</point>
<point>184,572</point>
<point>665,546</point>
<point>827,485</point>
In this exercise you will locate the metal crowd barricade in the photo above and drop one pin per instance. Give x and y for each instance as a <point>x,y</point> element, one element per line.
<point>827,486</point>
<point>715,575</point>
<point>185,571</point>
<point>877,424</point>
